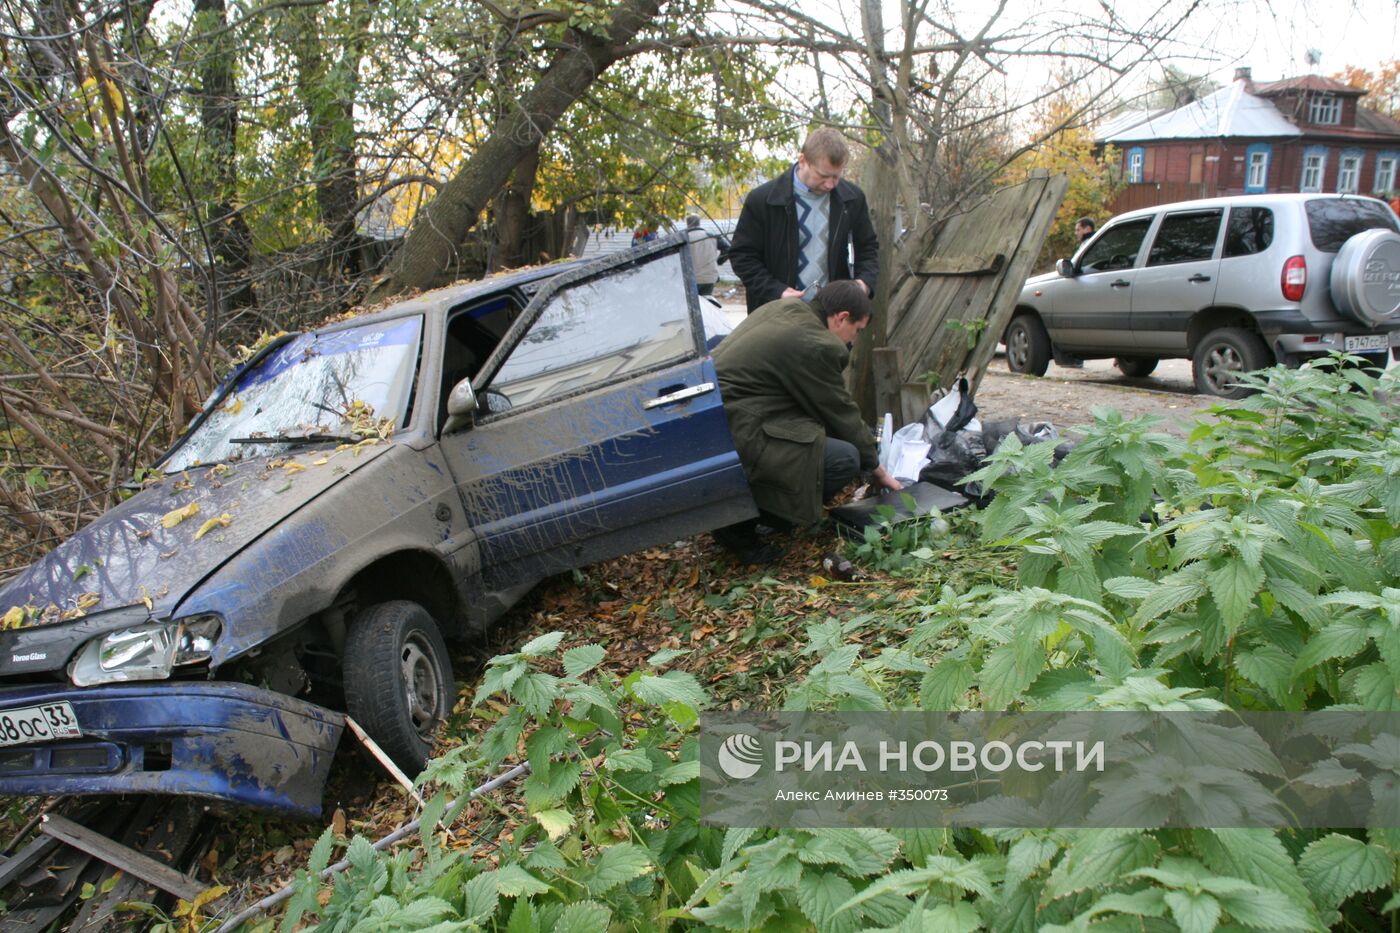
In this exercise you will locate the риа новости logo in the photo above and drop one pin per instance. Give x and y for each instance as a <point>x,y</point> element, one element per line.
<point>740,756</point>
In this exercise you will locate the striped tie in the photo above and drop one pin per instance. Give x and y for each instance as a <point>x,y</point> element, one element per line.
<point>804,237</point>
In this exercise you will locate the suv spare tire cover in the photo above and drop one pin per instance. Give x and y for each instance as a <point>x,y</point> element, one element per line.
<point>1366,277</point>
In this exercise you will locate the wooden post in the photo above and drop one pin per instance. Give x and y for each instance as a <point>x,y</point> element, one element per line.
<point>886,360</point>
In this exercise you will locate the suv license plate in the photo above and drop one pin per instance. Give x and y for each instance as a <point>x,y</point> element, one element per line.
<point>38,723</point>
<point>1368,342</point>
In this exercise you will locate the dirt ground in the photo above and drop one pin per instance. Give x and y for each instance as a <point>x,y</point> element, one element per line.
<point>1066,397</point>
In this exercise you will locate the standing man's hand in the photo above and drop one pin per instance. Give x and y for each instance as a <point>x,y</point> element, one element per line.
<point>791,293</point>
<point>886,478</point>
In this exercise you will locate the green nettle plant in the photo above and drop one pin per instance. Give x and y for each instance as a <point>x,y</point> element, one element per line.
<point>1254,566</point>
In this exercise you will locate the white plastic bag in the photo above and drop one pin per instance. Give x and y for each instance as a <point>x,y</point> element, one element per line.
<point>943,410</point>
<point>903,453</point>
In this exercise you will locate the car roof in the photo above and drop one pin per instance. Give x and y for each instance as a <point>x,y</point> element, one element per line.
<point>1245,200</point>
<point>449,296</point>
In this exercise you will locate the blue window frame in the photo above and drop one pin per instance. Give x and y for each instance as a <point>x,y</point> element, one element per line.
<point>1387,162</point>
<point>1314,164</point>
<point>1256,161</point>
<point>1134,159</point>
<point>1349,171</point>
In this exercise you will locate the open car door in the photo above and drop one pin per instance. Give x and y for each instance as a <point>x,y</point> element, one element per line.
<point>599,429</point>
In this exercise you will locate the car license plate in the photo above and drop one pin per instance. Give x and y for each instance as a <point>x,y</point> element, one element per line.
<point>1368,342</point>
<point>38,724</point>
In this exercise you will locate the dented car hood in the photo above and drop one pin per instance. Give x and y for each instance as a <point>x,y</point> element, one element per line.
<point>153,549</point>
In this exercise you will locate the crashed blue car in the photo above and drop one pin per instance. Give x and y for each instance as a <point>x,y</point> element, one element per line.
<point>349,498</point>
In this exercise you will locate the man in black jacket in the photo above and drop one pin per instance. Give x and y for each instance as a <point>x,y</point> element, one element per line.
<point>795,231</point>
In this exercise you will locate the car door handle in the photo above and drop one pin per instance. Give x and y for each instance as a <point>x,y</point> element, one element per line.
<point>1119,283</point>
<point>1199,278</point>
<point>681,395</point>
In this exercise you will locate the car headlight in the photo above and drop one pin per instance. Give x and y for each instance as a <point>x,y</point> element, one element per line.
<point>145,652</point>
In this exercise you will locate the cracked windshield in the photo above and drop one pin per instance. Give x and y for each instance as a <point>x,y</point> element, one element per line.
<point>330,385</point>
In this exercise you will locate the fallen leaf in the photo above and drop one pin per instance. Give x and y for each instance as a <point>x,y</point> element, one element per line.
<point>234,407</point>
<point>14,618</point>
<point>293,468</point>
<point>176,516</point>
<point>338,822</point>
<point>322,462</point>
<point>221,522</point>
<point>87,600</point>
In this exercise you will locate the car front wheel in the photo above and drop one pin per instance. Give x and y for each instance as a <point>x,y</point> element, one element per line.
<point>1136,366</point>
<point>1223,356</point>
<point>1027,345</point>
<point>398,680</point>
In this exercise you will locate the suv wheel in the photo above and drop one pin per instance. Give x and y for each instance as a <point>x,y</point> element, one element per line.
<point>1223,356</point>
<point>398,680</point>
<point>1027,345</point>
<point>1137,366</point>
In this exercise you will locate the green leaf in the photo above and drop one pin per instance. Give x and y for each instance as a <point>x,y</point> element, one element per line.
<point>1265,910</point>
<point>1193,913</point>
<point>1098,858</point>
<point>671,687</point>
<point>1147,903</point>
<point>579,661</point>
<point>480,897</point>
<point>1270,667</point>
<point>1256,855</point>
<point>1342,639</point>
<point>536,692</point>
<point>666,656</point>
<point>321,852</point>
<point>1173,592</point>
<point>583,917</point>
<point>1233,585</point>
<point>945,687</point>
<point>680,773</point>
<point>1336,867</point>
<point>542,645</point>
<point>555,822</point>
<point>1007,673</point>
<point>820,895</point>
<point>1027,856</point>
<point>1128,587</point>
<point>627,759</point>
<point>1373,687</point>
<point>617,865</point>
<point>420,912</point>
<point>514,881</point>
<point>734,840</point>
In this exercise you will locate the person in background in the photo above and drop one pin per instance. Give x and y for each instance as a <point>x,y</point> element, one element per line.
<point>704,254</point>
<point>796,231</point>
<point>1395,203</point>
<point>1083,229</point>
<point>798,432</point>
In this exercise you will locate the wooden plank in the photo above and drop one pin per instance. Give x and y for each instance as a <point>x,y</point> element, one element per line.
<point>962,265</point>
<point>15,866</point>
<point>886,363</point>
<point>127,859</point>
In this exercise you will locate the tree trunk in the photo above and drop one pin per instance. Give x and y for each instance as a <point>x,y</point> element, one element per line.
<point>430,248</point>
<point>229,236</point>
<point>513,212</point>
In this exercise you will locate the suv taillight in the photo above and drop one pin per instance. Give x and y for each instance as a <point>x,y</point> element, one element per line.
<point>1294,278</point>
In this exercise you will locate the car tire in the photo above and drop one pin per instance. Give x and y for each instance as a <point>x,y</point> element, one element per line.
<point>1136,366</point>
<point>1225,354</point>
<point>1027,345</point>
<point>398,680</point>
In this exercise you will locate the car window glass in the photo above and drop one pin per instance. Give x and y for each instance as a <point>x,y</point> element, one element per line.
<point>599,331</point>
<point>1251,230</point>
<point>1185,237</point>
<point>472,333</point>
<point>1333,221</point>
<point>310,385</point>
<point>1116,248</point>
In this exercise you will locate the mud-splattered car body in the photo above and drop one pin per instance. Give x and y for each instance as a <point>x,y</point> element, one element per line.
<point>327,516</point>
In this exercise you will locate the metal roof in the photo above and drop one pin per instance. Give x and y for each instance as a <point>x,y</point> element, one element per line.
<point>1230,111</point>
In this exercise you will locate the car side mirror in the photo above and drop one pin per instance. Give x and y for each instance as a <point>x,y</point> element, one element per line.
<point>461,405</point>
<point>1065,268</point>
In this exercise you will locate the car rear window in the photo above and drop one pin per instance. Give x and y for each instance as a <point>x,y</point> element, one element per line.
<point>1185,237</point>
<point>1333,221</point>
<point>1251,230</point>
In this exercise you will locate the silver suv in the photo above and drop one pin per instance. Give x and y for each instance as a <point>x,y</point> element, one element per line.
<point>1234,284</point>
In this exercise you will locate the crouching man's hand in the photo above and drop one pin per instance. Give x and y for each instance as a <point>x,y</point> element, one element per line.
<point>886,479</point>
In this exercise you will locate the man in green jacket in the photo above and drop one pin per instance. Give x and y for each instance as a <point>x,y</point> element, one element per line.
<point>798,432</point>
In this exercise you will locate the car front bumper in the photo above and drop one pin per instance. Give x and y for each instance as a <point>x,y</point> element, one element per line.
<point>227,741</point>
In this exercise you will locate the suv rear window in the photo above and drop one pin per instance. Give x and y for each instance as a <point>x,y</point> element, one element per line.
<point>1333,221</point>
<point>1251,230</point>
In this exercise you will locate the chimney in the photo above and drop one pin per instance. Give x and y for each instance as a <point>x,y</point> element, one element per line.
<point>1242,74</point>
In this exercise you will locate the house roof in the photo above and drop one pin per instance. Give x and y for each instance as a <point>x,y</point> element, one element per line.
<point>1123,122</point>
<point>1230,111</point>
<point>1307,83</point>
